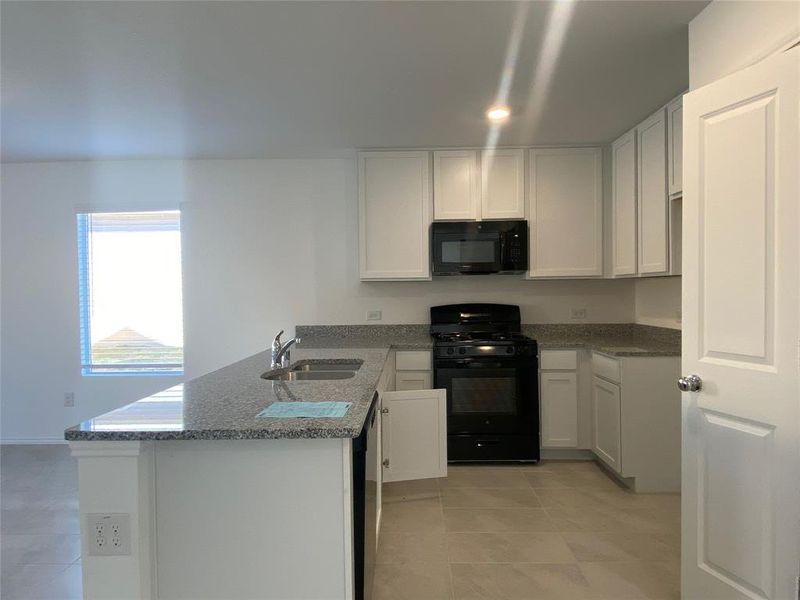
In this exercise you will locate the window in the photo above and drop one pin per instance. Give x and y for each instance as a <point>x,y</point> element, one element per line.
<point>131,315</point>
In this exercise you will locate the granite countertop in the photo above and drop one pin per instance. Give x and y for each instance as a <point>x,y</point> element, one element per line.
<point>224,404</point>
<point>624,339</point>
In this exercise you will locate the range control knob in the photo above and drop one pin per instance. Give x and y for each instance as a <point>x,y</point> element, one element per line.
<point>450,350</point>
<point>462,350</point>
<point>509,350</point>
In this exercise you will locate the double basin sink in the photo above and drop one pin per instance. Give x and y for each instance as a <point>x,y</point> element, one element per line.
<point>316,371</point>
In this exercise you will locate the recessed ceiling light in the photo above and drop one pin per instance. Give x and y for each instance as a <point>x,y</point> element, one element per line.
<point>498,113</point>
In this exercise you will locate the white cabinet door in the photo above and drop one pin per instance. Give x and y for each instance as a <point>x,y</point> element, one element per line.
<point>413,380</point>
<point>741,430</point>
<point>394,214</point>
<point>456,185</point>
<point>653,202</point>
<point>675,147</point>
<point>566,212</point>
<point>559,399</point>
<point>623,205</point>
<point>606,420</point>
<point>414,435</point>
<point>503,184</point>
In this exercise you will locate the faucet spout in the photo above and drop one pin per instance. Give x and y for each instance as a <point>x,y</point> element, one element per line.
<point>280,352</point>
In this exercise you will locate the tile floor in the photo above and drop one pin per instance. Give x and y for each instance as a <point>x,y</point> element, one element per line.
<point>40,548</point>
<point>559,530</point>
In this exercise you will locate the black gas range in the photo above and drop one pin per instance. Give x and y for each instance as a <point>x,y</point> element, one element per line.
<point>490,371</point>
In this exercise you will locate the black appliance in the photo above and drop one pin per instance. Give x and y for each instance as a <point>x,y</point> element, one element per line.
<point>365,495</point>
<point>479,247</point>
<point>490,371</point>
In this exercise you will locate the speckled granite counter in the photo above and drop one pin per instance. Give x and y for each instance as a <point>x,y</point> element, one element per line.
<point>224,404</point>
<point>623,339</point>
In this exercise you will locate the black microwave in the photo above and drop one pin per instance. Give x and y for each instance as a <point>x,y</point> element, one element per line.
<point>479,247</point>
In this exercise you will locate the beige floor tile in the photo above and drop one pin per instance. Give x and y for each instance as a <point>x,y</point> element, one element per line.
<point>66,585</point>
<point>508,547</point>
<point>397,547</point>
<point>33,522</point>
<point>483,477</point>
<point>519,581</point>
<point>40,549</point>
<point>412,581</point>
<point>412,515</point>
<point>596,480</point>
<point>489,498</point>
<point>587,519</point>
<point>634,580</point>
<point>497,519</point>
<point>28,581</point>
<point>651,520</point>
<point>609,547</point>
<point>416,489</point>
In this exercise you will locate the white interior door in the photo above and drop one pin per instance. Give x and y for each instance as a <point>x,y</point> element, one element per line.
<point>741,438</point>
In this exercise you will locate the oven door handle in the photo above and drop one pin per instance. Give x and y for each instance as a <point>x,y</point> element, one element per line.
<point>476,364</point>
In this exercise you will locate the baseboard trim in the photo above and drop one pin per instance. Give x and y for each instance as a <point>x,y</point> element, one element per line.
<point>32,441</point>
<point>566,454</point>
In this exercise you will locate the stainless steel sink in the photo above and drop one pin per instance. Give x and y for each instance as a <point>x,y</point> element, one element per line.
<point>328,366</point>
<point>308,375</point>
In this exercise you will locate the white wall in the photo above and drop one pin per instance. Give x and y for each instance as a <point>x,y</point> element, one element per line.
<point>658,301</point>
<point>729,35</point>
<point>267,244</point>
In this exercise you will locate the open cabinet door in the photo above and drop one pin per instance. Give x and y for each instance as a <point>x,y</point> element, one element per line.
<point>414,425</point>
<point>741,414</point>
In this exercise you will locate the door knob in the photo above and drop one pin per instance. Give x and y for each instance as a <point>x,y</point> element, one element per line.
<point>690,383</point>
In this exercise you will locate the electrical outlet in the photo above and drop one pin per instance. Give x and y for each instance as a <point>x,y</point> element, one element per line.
<point>578,313</point>
<point>374,315</point>
<point>69,399</point>
<point>109,534</point>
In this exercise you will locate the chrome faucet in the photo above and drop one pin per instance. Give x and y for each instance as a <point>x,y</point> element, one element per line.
<point>280,352</point>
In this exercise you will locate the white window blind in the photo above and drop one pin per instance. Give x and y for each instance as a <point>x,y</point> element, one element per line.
<point>129,269</point>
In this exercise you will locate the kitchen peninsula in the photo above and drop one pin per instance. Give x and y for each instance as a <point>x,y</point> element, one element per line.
<point>225,504</point>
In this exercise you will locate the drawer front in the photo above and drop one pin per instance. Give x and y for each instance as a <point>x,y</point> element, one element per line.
<point>413,360</point>
<point>558,360</point>
<point>606,367</point>
<point>413,380</point>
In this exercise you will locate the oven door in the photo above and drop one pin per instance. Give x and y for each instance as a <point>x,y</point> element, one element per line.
<point>467,252</point>
<point>486,396</point>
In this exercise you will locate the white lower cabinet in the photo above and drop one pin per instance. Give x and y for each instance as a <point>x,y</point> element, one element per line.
<point>558,397</point>
<point>414,434</point>
<point>606,422</point>
<point>636,419</point>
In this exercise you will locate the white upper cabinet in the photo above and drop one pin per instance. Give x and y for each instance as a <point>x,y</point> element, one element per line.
<point>395,214</point>
<point>456,185</point>
<point>653,244</point>
<point>623,205</point>
<point>675,147</point>
<point>503,184</point>
<point>566,212</point>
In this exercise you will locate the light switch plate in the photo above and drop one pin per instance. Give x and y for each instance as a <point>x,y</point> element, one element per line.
<point>374,315</point>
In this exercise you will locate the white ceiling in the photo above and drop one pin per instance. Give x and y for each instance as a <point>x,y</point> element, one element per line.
<point>236,79</point>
